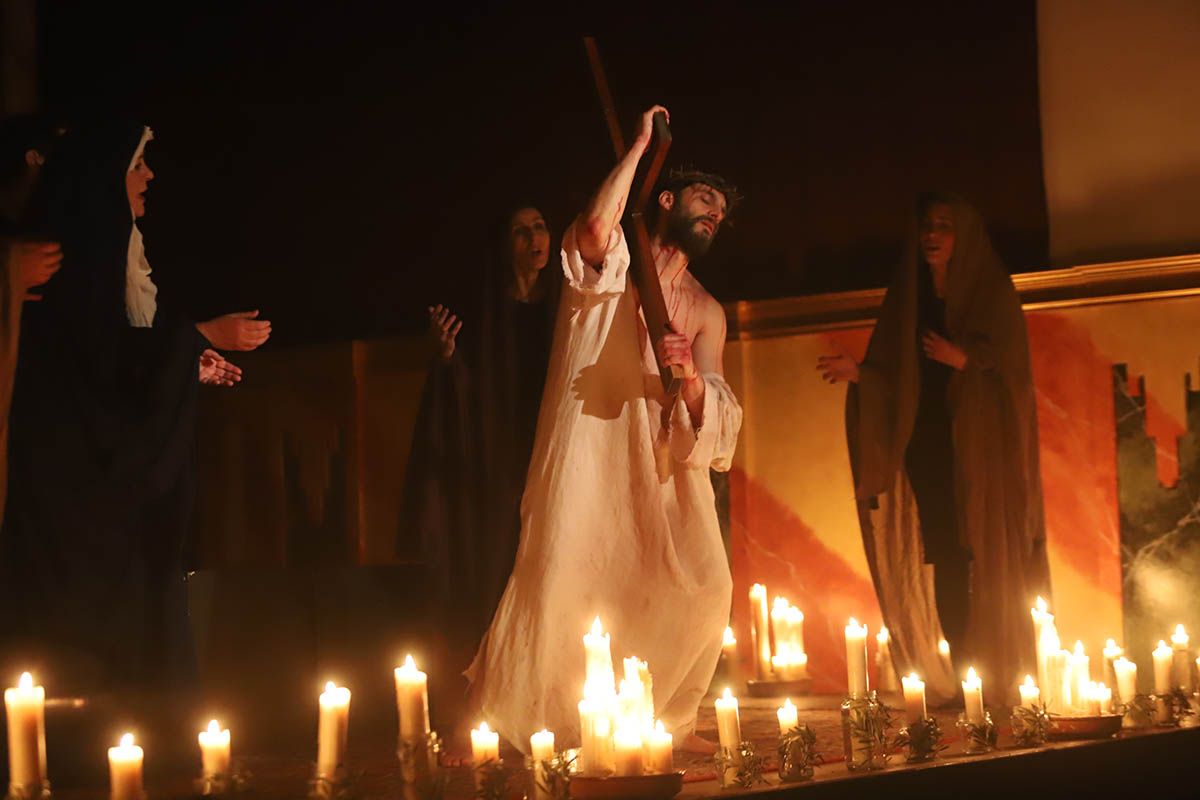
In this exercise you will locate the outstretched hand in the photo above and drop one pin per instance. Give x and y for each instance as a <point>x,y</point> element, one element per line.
<point>838,368</point>
<point>443,330</point>
<point>216,371</point>
<point>241,330</point>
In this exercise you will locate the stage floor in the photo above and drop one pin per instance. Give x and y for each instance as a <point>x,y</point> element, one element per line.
<point>1158,762</point>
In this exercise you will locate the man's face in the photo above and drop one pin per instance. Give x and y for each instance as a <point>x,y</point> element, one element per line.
<point>937,235</point>
<point>694,218</point>
<point>136,182</point>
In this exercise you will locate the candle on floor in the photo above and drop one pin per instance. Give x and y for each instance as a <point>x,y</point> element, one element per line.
<point>485,745</point>
<point>25,706</point>
<point>332,726</point>
<point>1048,644</point>
<point>729,644</point>
<point>760,630</point>
<point>412,701</point>
<point>1112,651</point>
<point>599,664</point>
<point>914,698</point>
<point>1126,672</point>
<point>883,661</point>
<point>788,717</point>
<point>729,726</point>
<point>589,745</point>
<point>1182,660</point>
<point>1163,658</point>
<point>856,659</point>
<point>1080,677</point>
<point>627,752</point>
<point>780,635</point>
<point>214,750</point>
<point>660,759</point>
<point>125,770</point>
<point>1052,688</point>
<point>541,749</point>
<point>973,697</point>
<point>1031,695</point>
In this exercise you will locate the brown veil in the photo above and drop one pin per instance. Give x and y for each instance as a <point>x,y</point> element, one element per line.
<point>997,481</point>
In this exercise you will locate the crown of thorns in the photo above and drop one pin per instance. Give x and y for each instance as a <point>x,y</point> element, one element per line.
<point>680,178</point>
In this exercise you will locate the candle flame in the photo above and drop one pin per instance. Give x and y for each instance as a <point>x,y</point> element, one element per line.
<point>882,636</point>
<point>758,589</point>
<point>853,622</point>
<point>596,629</point>
<point>658,727</point>
<point>1041,604</point>
<point>971,676</point>
<point>912,676</point>
<point>1029,681</point>
<point>1180,635</point>
<point>25,682</point>
<point>409,664</point>
<point>483,727</point>
<point>729,640</point>
<point>330,686</point>
<point>127,740</point>
<point>1162,646</point>
<point>787,703</point>
<point>1078,648</point>
<point>727,694</point>
<point>214,726</point>
<point>944,647</point>
<point>1111,644</point>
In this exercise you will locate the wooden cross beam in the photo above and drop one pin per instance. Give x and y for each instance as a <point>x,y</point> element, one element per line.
<point>645,276</point>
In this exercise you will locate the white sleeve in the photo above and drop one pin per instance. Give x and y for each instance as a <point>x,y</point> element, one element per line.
<point>712,445</point>
<point>586,279</point>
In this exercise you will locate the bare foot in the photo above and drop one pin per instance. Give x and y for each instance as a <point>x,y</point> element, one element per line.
<point>698,745</point>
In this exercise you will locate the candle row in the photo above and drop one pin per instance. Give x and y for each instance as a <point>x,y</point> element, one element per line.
<point>778,637</point>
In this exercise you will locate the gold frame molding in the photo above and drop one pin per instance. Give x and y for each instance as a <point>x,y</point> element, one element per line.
<point>1094,284</point>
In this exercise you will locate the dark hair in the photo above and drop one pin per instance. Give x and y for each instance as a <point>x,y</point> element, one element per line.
<point>933,197</point>
<point>680,178</point>
<point>20,134</point>
<point>502,251</point>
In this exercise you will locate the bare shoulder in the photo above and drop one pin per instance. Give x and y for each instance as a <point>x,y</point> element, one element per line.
<point>711,312</point>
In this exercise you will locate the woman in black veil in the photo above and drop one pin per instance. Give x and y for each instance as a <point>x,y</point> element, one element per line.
<point>101,478</point>
<point>475,429</point>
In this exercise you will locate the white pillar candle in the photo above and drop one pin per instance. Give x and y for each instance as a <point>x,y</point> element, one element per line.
<point>1105,695</point>
<point>1182,660</point>
<point>914,698</point>
<point>729,644</point>
<point>660,760</point>
<point>795,618</point>
<point>125,770</point>
<point>627,752</point>
<point>25,707</point>
<point>214,750</point>
<point>1048,644</point>
<point>761,630</point>
<point>1163,658</point>
<point>485,745</point>
<point>788,717</point>
<point>1112,651</point>
<point>883,662</point>
<point>1030,695</point>
<point>541,749</point>
<point>599,665</point>
<point>412,701</point>
<point>1057,692</point>
<point>1080,677</point>
<point>332,727</point>
<point>781,637</point>
<point>729,726</point>
<point>1126,672</point>
<point>856,659</point>
<point>1091,694</point>
<point>590,759</point>
<point>973,697</point>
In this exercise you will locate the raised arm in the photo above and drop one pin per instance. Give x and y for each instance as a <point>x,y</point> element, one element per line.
<point>594,226</point>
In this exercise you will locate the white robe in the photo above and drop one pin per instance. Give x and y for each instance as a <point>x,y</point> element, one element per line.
<point>618,520</point>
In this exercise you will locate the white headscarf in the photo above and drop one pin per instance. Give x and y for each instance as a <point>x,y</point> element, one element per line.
<point>141,295</point>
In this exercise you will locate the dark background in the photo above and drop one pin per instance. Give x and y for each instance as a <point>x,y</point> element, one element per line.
<point>338,164</point>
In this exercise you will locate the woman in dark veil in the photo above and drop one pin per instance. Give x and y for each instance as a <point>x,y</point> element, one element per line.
<point>101,474</point>
<point>942,426</point>
<point>474,432</point>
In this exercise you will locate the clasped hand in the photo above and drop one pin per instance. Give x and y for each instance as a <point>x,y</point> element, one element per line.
<point>675,350</point>
<point>940,349</point>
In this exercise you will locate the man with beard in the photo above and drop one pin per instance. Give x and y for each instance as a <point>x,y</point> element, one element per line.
<point>618,517</point>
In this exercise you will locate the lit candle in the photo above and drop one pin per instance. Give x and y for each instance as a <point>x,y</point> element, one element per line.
<point>1105,696</point>
<point>856,659</point>
<point>780,634</point>
<point>627,751</point>
<point>25,706</point>
<point>214,750</point>
<point>485,745</point>
<point>729,644</point>
<point>1182,660</point>
<point>412,701</point>
<point>1112,651</point>
<point>1163,657</point>
<point>729,730</point>
<point>1080,677</point>
<point>1091,696</point>
<point>795,619</point>
<point>973,697</point>
<point>914,698</point>
<point>788,717</point>
<point>660,759</point>
<point>1126,672</point>
<point>332,726</point>
<point>1048,644</point>
<point>599,656</point>
<point>944,650</point>
<point>760,629</point>
<point>125,770</point>
<point>883,661</point>
<point>1031,695</point>
<point>1065,689</point>
<point>591,733</point>
<point>541,749</point>
<point>789,665</point>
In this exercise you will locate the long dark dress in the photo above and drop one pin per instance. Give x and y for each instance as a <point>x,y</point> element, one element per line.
<point>102,448</point>
<point>471,448</point>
